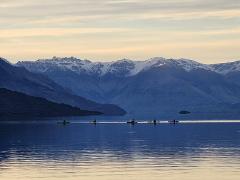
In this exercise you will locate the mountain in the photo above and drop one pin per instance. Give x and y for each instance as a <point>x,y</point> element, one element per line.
<point>124,67</point>
<point>97,80</point>
<point>155,88</point>
<point>230,70</point>
<point>226,68</point>
<point>15,104</point>
<point>21,80</point>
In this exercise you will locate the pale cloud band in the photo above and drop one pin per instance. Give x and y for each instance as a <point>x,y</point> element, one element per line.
<point>110,29</point>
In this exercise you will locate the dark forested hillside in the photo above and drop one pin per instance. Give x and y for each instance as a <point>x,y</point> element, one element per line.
<point>14,104</point>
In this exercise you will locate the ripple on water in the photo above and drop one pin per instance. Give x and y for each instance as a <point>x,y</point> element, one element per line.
<point>114,152</point>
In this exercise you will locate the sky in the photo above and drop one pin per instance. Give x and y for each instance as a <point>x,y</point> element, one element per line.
<point>103,30</point>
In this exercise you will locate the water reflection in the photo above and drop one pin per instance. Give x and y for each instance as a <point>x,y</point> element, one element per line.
<point>119,151</point>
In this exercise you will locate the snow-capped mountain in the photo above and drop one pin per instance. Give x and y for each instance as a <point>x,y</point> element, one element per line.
<point>226,68</point>
<point>21,80</point>
<point>156,87</point>
<point>124,67</point>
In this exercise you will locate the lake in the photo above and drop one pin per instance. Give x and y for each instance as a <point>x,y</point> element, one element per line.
<point>119,151</point>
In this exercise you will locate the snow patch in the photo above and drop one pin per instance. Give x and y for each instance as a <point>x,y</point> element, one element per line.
<point>124,67</point>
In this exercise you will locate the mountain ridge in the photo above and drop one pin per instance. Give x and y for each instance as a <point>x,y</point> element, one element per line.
<point>132,67</point>
<point>156,87</point>
<point>20,79</point>
<point>15,104</point>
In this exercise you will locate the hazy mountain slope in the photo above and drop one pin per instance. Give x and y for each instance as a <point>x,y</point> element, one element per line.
<point>100,79</point>
<point>230,70</point>
<point>161,91</point>
<point>15,104</point>
<point>19,79</point>
<point>156,87</point>
<point>225,68</point>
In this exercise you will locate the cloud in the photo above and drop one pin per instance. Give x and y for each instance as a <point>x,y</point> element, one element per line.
<point>38,32</point>
<point>114,13</point>
<point>109,27</point>
<point>53,8</point>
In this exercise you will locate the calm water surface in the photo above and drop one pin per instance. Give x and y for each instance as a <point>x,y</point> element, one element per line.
<point>187,151</point>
